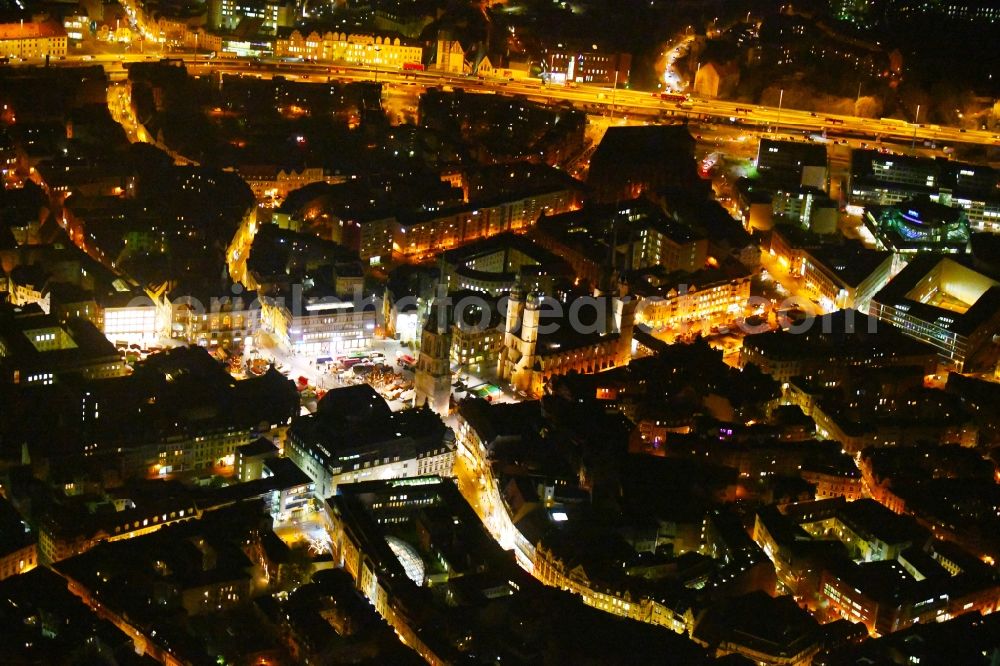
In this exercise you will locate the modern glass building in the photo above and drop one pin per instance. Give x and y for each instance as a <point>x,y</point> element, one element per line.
<point>946,303</point>
<point>919,225</point>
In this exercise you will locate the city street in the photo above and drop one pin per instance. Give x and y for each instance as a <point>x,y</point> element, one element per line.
<point>120,107</point>
<point>790,291</point>
<point>672,79</point>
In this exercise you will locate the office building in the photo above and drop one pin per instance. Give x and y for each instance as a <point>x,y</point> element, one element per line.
<point>791,164</point>
<point>288,488</point>
<point>947,304</point>
<point>585,65</point>
<point>36,348</point>
<point>919,226</point>
<point>316,325</point>
<point>861,562</point>
<point>477,334</point>
<point>417,233</point>
<point>884,179</point>
<point>960,640</point>
<point>806,207</point>
<point>834,343</point>
<point>353,436</point>
<point>494,265</point>
<point>398,538</point>
<point>179,414</point>
<point>845,277</point>
<point>637,233</point>
<point>226,15</point>
<point>761,629</point>
<point>67,300</point>
<point>983,12</point>
<point>707,298</point>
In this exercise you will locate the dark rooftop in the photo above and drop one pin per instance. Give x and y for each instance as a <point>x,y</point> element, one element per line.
<point>852,263</point>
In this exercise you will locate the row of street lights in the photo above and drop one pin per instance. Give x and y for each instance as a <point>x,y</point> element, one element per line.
<point>916,117</point>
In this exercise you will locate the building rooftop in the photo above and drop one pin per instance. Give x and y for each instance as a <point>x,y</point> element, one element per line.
<point>500,243</point>
<point>42,593</point>
<point>919,224</point>
<point>261,446</point>
<point>869,519</point>
<point>851,264</point>
<point>844,335</point>
<point>31,339</point>
<point>926,175</point>
<point>589,229</point>
<point>960,640</point>
<point>644,143</point>
<point>323,31</point>
<point>780,163</point>
<point>774,626</point>
<point>31,30</point>
<point>656,281</point>
<point>491,421</point>
<point>14,531</point>
<point>944,290</point>
<point>407,218</point>
<point>355,423</point>
<point>560,335</point>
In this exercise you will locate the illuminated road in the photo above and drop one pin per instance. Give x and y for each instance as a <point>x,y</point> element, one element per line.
<point>120,107</point>
<point>791,289</point>
<point>586,97</point>
<point>671,77</point>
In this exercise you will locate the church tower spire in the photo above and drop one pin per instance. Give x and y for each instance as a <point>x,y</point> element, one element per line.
<point>432,379</point>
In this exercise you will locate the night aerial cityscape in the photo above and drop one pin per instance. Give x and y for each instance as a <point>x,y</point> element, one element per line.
<point>545,332</point>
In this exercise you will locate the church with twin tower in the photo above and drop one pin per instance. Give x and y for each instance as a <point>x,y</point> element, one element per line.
<point>598,338</point>
<point>588,334</point>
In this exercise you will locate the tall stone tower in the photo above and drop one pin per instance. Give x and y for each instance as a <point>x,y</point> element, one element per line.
<point>519,352</point>
<point>624,307</point>
<point>432,379</point>
<point>509,356</point>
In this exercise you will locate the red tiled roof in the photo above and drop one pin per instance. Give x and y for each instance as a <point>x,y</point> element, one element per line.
<point>31,30</point>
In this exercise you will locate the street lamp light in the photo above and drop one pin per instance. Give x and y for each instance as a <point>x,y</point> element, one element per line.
<point>916,124</point>
<point>781,98</point>
<point>614,91</point>
<point>378,50</point>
